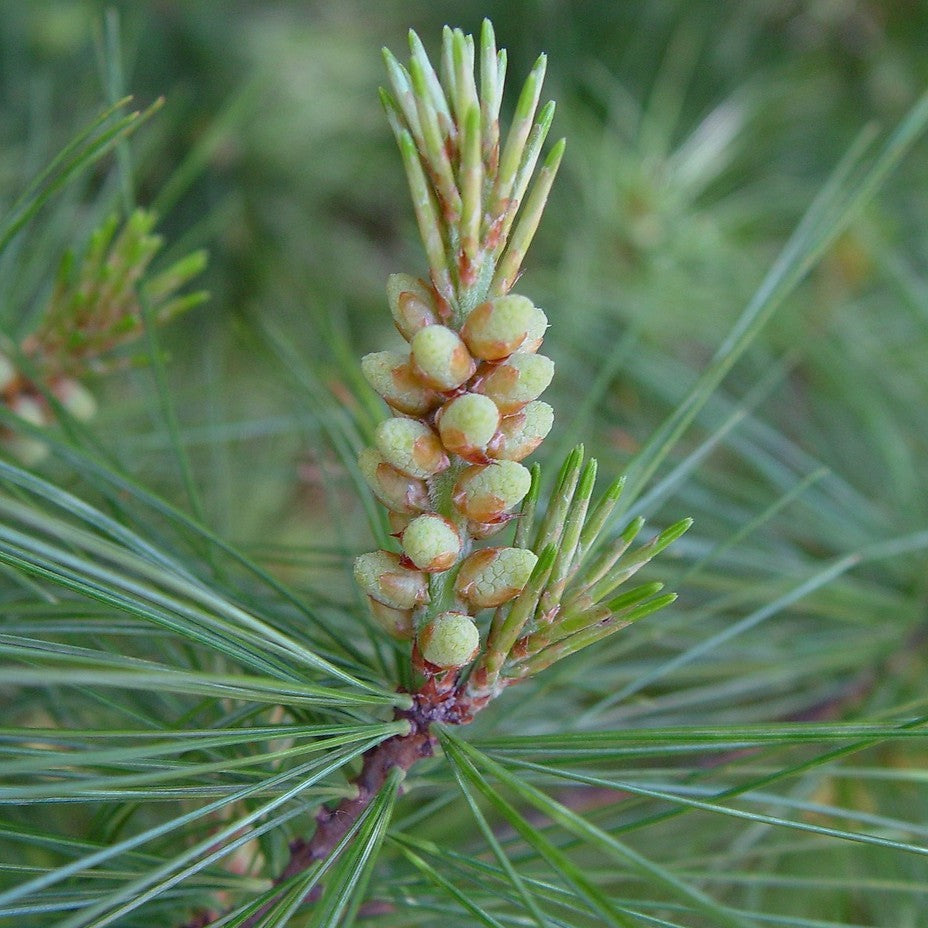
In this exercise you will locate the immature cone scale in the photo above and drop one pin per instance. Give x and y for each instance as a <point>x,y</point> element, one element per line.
<point>75,398</point>
<point>536,332</point>
<point>30,408</point>
<point>26,400</point>
<point>480,530</point>
<point>381,575</point>
<point>521,379</point>
<point>28,450</point>
<point>397,491</point>
<point>398,623</point>
<point>486,494</point>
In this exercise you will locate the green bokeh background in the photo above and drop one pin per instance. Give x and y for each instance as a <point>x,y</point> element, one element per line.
<point>698,134</point>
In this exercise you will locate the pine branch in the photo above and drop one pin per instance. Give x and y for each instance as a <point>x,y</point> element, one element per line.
<point>101,301</point>
<point>466,412</point>
<point>399,752</point>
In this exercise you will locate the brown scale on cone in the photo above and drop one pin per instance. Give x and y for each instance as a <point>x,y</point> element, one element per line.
<point>441,359</point>
<point>493,576</point>
<point>398,521</point>
<point>411,396</point>
<point>487,493</point>
<point>392,376</point>
<point>496,328</point>
<point>411,447</point>
<point>522,432</point>
<point>481,530</point>
<point>518,381</point>
<point>467,424</point>
<point>383,577</point>
<point>412,304</point>
<point>395,490</point>
<point>398,623</point>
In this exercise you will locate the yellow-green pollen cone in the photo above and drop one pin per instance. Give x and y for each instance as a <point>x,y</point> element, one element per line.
<point>381,575</point>
<point>487,493</point>
<point>392,376</point>
<point>495,329</point>
<point>431,542</point>
<point>467,424</point>
<point>466,392</point>
<point>523,378</point>
<point>493,576</point>
<point>411,447</point>
<point>441,358</point>
<point>450,640</point>
<point>411,304</point>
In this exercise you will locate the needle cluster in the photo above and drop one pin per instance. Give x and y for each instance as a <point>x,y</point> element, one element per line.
<point>98,304</point>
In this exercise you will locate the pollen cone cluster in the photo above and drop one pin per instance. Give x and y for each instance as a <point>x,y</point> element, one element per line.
<point>464,393</point>
<point>447,464</point>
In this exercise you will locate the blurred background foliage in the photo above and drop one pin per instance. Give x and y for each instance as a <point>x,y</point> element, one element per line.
<point>698,133</point>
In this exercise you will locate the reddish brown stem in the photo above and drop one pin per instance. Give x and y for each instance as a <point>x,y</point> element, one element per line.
<point>332,824</point>
<point>436,701</point>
